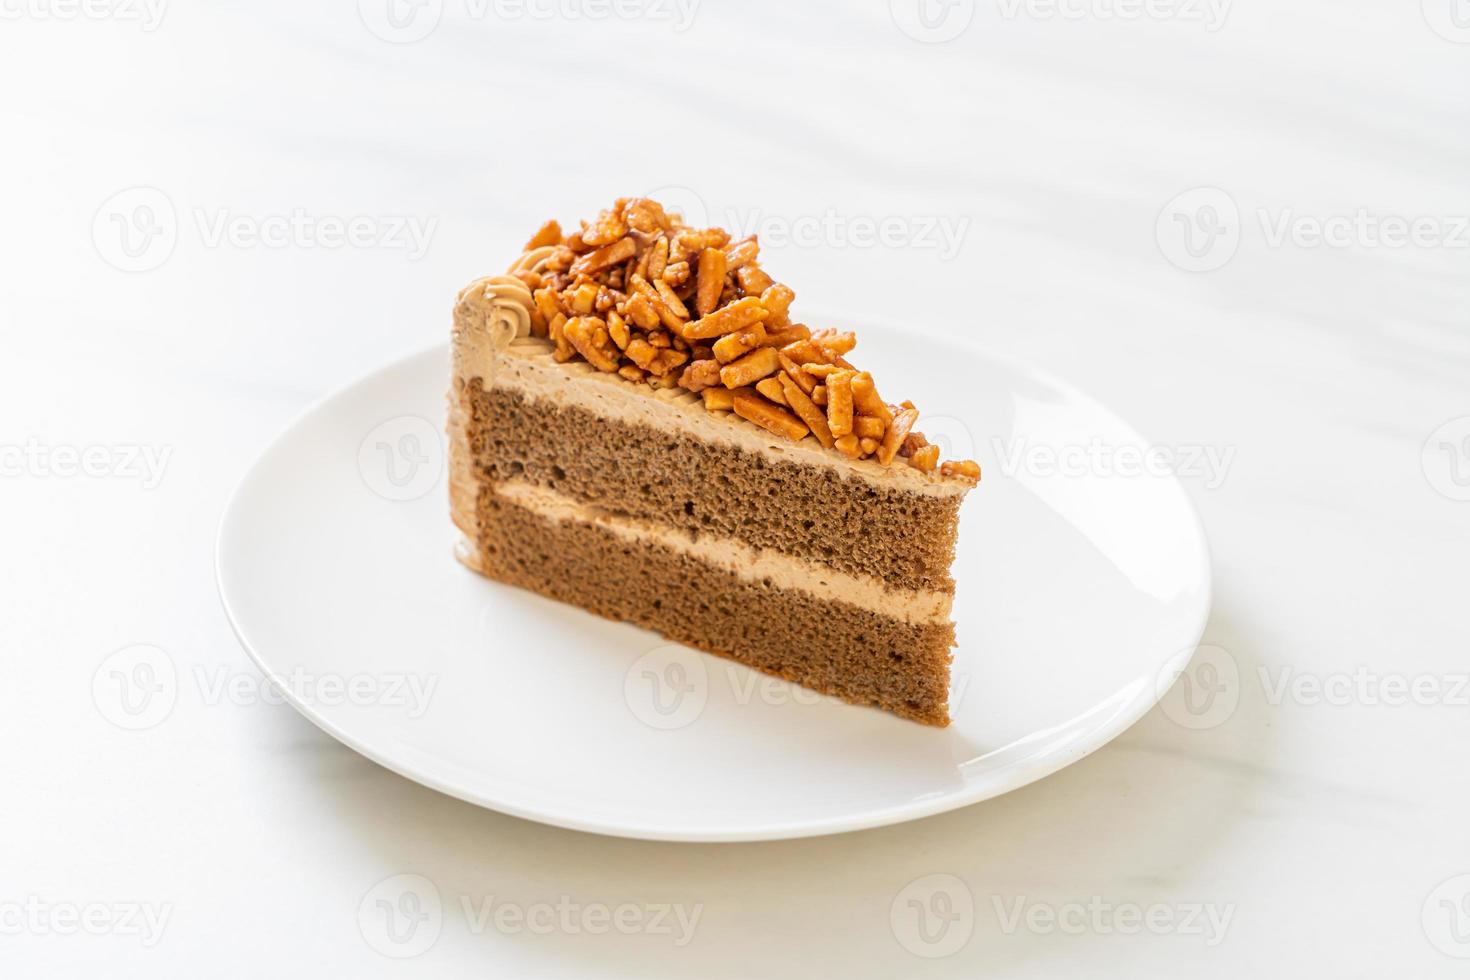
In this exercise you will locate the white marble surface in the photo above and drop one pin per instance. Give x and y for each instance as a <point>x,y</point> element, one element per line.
<point>1331,831</point>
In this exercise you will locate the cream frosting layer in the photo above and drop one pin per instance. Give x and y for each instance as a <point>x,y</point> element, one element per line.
<point>525,364</point>
<point>752,564</point>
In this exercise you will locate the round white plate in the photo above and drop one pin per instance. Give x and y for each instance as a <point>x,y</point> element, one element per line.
<point>1083,587</point>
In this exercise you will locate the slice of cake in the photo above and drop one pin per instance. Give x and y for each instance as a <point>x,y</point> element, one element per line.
<point>638,428</point>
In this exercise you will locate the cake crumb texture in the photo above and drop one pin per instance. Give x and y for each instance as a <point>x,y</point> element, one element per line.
<point>855,654</point>
<point>904,539</point>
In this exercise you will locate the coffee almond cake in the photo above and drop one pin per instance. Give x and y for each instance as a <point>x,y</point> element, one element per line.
<point>637,427</point>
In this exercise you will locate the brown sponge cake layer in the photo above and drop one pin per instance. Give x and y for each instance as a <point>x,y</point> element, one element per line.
<point>857,654</point>
<point>811,512</point>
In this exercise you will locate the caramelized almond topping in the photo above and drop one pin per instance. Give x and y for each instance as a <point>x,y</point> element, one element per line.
<point>638,293</point>
<point>754,408</point>
<point>758,364</point>
<point>925,459</point>
<point>839,402</point>
<point>739,314</point>
<point>719,399</point>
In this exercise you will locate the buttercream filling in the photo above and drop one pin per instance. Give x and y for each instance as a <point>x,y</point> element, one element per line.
<point>752,564</point>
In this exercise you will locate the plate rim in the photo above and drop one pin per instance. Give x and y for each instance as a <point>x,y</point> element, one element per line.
<point>967,795</point>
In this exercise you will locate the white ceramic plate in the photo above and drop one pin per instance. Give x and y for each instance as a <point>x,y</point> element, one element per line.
<point>1081,594</point>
